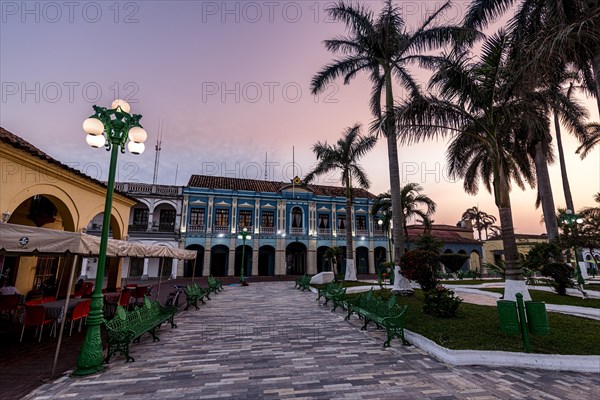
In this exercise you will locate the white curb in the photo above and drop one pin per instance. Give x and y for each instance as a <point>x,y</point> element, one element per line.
<point>549,362</point>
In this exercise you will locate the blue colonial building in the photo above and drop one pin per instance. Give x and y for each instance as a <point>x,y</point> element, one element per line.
<point>291,227</point>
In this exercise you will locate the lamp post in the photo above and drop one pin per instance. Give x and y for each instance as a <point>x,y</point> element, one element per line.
<point>109,128</point>
<point>572,219</point>
<point>243,235</point>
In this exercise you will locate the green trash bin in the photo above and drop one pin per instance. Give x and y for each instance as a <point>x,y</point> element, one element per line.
<point>537,318</point>
<point>509,319</point>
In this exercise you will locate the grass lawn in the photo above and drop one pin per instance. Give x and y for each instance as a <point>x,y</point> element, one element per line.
<point>553,298</point>
<point>346,284</point>
<point>470,281</point>
<point>477,328</point>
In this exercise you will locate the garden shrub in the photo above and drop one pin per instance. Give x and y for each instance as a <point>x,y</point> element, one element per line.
<point>562,275</point>
<point>421,266</point>
<point>441,302</point>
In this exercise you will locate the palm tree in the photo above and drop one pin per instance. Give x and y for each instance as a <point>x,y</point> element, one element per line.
<point>564,30</point>
<point>383,48</point>
<point>591,140</point>
<point>412,200</point>
<point>478,105</point>
<point>480,220</point>
<point>334,255</point>
<point>344,156</point>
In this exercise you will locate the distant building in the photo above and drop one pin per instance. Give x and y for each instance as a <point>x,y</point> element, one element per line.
<point>291,227</point>
<point>493,249</point>
<point>455,239</point>
<point>154,220</point>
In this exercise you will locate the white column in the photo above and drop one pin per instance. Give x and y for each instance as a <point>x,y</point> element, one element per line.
<point>174,268</point>
<point>145,273</point>
<point>84,267</point>
<point>209,214</point>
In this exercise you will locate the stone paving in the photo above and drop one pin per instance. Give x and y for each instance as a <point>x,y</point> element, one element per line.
<point>270,341</point>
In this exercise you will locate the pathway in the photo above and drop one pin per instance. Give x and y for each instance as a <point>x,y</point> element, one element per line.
<point>269,341</point>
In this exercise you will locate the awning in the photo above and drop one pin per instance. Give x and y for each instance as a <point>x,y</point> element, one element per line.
<point>20,239</point>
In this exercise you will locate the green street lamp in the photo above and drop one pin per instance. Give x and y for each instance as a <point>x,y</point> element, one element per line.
<point>571,219</point>
<point>243,236</point>
<point>110,128</point>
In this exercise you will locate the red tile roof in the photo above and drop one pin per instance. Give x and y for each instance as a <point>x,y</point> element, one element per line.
<point>446,233</point>
<point>20,143</point>
<point>255,185</point>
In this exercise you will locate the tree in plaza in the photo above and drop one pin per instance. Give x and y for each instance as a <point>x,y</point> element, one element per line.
<point>478,105</point>
<point>334,255</point>
<point>480,220</point>
<point>344,157</point>
<point>383,48</point>
<point>412,201</point>
<point>565,30</point>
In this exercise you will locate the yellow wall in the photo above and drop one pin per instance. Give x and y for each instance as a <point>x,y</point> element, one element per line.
<point>523,247</point>
<point>76,198</point>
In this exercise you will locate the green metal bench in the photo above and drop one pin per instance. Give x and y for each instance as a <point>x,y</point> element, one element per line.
<point>386,314</point>
<point>195,293</point>
<point>336,293</point>
<point>214,285</point>
<point>303,282</point>
<point>129,326</point>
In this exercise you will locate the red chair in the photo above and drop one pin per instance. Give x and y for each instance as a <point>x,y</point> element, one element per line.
<point>139,294</point>
<point>125,298</point>
<point>33,302</point>
<point>36,316</point>
<point>48,299</point>
<point>10,303</point>
<point>80,311</point>
<point>89,289</point>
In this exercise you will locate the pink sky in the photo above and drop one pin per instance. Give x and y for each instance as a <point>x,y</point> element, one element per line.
<point>230,81</point>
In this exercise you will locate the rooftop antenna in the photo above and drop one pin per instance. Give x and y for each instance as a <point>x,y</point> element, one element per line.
<point>293,172</point>
<point>266,172</point>
<point>157,155</point>
<point>176,171</point>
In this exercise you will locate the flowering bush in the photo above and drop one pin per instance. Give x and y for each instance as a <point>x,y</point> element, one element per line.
<point>441,302</point>
<point>421,266</point>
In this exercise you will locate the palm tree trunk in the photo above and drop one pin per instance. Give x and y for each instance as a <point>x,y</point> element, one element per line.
<point>350,268</point>
<point>596,67</point>
<point>563,165</point>
<point>514,282</point>
<point>401,284</point>
<point>545,192</point>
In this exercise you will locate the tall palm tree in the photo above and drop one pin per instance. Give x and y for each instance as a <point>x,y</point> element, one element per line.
<point>565,30</point>
<point>344,156</point>
<point>478,105</point>
<point>383,48</point>
<point>481,220</point>
<point>591,140</point>
<point>412,201</point>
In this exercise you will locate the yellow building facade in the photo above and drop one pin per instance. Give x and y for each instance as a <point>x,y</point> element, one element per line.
<point>37,190</point>
<point>493,249</point>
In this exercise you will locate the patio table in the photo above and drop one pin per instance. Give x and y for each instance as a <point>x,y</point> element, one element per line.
<point>56,309</point>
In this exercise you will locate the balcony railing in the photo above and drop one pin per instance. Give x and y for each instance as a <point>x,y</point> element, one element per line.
<point>267,230</point>
<point>138,227</point>
<point>362,232</point>
<point>166,226</point>
<point>324,231</point>
<point>297,231</point>
<point>145,188</point>
<point>378,232</point>
<point>196,228</point>
<point>220,229</point>
<point>341,232</point>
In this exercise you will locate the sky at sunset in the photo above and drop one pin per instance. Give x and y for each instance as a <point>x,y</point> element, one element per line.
<point>228,81</point>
